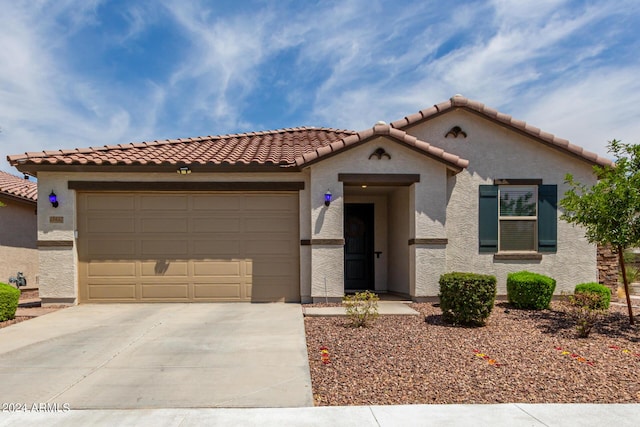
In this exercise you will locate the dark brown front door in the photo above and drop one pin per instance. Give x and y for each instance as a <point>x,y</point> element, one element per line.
<point>358,248</point>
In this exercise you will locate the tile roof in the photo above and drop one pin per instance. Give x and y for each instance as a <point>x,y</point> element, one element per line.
<point>459,101</point>
<point>18,187</point>
<point>277,147</point>
<point>383,129</point>
<point>285,148</point>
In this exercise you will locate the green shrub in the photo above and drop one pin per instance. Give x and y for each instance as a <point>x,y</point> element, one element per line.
<point>467,298</point>
<point>603,293</point>
<point>580,307</point>
<point>9,297</point>
<point>362,308</point>
<point>530,290</point>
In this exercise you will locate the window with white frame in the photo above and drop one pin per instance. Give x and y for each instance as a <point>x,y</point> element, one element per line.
<point>518,218</point>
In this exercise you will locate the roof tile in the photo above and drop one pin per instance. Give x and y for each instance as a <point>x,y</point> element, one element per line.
<point>18,187</point>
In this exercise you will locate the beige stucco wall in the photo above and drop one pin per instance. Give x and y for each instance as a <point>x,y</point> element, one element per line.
<point>399,218</point>
<point>18,234</point>
<point>496,152</point>
<point>59,276</point>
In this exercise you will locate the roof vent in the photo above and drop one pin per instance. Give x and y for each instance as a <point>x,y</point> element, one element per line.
<point>381,122</point>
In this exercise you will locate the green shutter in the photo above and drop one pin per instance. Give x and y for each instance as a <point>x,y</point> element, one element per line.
<point>547,218</point>
<point>488,218</point>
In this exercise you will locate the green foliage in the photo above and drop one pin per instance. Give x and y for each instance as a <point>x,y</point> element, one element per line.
<point>530,290</point>
<point>362,308</point>
<point>633,274</point>
<point>467,298</point>
<point>580,307</point>
<point>9,297</point>
<point>602,293</point>
<point>609,209</point>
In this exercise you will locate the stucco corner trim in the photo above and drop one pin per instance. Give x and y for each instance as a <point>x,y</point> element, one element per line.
<point>55,243</point>
<point>430,241</point>
<point>326,242</point>
<point>517,256</point>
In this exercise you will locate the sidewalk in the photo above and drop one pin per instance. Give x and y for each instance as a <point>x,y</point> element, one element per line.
<point>508,415</point>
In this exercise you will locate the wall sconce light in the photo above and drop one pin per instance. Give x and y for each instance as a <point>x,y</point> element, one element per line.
<point>53,199</point>
<point>183,170</point>
<point>327,198</point>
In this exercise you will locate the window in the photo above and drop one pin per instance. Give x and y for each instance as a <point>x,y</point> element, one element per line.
<point>518,218</point>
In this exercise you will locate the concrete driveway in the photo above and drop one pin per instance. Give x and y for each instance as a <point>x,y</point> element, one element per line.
<point>158,356</point>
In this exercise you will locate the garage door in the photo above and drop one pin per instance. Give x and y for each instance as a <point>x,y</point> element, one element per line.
<point>188,247</point>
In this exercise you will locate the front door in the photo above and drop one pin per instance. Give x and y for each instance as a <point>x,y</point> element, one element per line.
<point>358,248</point>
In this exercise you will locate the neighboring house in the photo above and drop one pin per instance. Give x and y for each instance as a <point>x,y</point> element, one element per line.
<point>18,228</point>
<point>456,187</point>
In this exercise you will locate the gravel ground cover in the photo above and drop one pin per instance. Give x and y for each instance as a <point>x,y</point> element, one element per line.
<point>519,356</point>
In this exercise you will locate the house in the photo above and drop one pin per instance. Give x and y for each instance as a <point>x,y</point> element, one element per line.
<point>18,228</point>
<point>307,213</point>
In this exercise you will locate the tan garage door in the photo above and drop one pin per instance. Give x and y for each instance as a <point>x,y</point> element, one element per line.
<point>188,247</point>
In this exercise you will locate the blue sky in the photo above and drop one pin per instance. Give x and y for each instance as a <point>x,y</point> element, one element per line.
<point>79,73</point>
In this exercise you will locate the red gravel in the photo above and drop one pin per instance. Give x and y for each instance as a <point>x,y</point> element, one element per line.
<point>529,356</point>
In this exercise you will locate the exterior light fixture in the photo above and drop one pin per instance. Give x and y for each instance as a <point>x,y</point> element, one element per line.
<point>327,198</point>
<point>53,199</point>
<point>183,170</point>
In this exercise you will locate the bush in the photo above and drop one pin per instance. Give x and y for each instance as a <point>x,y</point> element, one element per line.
<point>530,290</point>
<point>580,307</point>
<point>467,298</point>
<point>362,308</point>
<point>9,297</point>
<point>603,293</point>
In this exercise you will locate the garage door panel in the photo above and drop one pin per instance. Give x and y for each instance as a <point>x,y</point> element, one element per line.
<point>268,203</point>
<point>217,246</point>
<point>164,225</point>
<point>216,268</point>
<point>170,291</point>
<point>112,269</point>
<point>108,202</point>
<point>167,248</point>
<point>216,291</point>
<point>101,248</point>
<point>114,225</point>
<point>273,268</point>
<point>268,247</point>
<point>164,268</point>
<point>112,291</point>
<point>213,224</point>
<point>280,224</point>
<point>164,203</point>
<point>188,247</point>
<point>217,203</point>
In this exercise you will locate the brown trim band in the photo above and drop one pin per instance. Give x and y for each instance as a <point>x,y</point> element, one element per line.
<point>389,179</point>
<point>431,241</point>
<point>185,186</point>
<point>33,169</point>
<point>55,243</point>
<point>328,242</point>
<point>534,256</point>
<point>508,181</point>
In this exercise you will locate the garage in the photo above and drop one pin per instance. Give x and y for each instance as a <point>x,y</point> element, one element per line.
<point>188,247</point>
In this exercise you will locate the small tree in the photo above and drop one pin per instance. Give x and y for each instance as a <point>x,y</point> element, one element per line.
<point>609,210</point>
